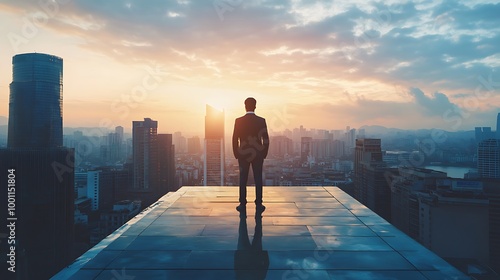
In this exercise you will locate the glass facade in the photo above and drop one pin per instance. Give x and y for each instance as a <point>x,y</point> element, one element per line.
<point>35,106</point>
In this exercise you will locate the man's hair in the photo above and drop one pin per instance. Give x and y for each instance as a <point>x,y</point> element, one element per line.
<point>250,104</point>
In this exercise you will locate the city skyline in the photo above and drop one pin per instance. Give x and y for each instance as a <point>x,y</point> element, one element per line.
<point>349,64</point>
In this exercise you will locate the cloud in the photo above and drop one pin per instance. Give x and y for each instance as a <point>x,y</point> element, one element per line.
<point>437,104</point>
<point>314,50</point>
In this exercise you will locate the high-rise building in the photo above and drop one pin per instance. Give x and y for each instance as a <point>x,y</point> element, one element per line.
<point>350,140</point>
<point>41,189</point>
<point>488,158</point>
<point>194,146</point>
<point>371,184</point>
<point>404,210</point>
<point>493,192</point>
<point>498,126</point>
<point>179,142</point>
<point>214,156</point>
<point>483,133</point>
<point>105,186</point>
<point>166,161</point>
<point>35,104</point>
<point>42,209</point>
<point>115,145</point>
<point>454,223</point>
<point>145,160</point>
<point>305,148</point>
<point>280,146</point>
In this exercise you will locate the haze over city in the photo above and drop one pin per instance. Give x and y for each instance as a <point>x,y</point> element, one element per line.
<point>406,65</point>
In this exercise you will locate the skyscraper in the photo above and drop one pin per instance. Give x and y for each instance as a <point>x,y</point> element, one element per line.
<point>213,171</point>
<point>41,189</point>
<point>498,126</point>
<point>194,147</point>
<point>35,106</point>
<point>371,186</point>
<point>305,148</point>
<point>488,158</point>
<point>145,155</point>
<point>166,161</point>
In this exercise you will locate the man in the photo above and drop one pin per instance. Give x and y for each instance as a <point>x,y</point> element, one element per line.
<point>250,147</point>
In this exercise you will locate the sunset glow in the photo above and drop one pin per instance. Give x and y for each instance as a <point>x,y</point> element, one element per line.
<point>316,64</point>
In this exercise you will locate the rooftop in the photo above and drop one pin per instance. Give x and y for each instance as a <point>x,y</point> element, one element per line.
<point>305,233</point>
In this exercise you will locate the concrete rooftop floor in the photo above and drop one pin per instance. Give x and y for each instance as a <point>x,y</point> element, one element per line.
<point>305,233</point>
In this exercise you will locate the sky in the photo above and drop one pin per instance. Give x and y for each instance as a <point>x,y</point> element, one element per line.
<point>320,64</point>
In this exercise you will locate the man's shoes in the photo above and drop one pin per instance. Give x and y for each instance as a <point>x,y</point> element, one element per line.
<point>241,208</point>
<point>260,208</point>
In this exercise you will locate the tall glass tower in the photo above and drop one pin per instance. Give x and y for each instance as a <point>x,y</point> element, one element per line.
<point>35,106</point>
<point>214,159</point>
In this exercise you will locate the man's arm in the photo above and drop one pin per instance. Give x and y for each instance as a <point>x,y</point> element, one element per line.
<point>265,140</point>
<point>235,140</point>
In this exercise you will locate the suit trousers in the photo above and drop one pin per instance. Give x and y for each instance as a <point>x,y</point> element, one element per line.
<point>244,165</point>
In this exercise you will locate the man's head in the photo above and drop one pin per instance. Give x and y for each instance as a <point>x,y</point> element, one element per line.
<point>250,104</point>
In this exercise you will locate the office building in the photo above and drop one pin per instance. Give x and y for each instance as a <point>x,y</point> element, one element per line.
<point>498,126</point>
<point>214,156</point>
<point>483,133</point>
<point>43,208</point>
<point>194,145</point>
<point>305,148</point>
<point>488,158</point>
<point>493,192</point>
<point>454,223</point>
<point>404,210</point>
<point>179,142</point>
<point>166,161</point>
<point>145,160</point>
<point>35,103</point>
<point>43,169</point>
<point>280,147</point>
<point>372,177</point>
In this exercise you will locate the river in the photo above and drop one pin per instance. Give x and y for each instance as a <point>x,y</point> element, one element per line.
<point>452,171</point>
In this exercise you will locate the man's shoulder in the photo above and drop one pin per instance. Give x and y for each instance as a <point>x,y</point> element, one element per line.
<point>250,117</point>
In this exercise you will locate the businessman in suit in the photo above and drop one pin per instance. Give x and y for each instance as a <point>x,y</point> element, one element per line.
<point>250,147</point>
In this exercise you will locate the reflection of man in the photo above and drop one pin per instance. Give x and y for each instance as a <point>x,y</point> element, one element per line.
<point>250,146</point>
<point>250,261</point>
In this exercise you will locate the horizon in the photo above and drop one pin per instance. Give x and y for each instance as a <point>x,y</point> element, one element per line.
<point>407,66</point>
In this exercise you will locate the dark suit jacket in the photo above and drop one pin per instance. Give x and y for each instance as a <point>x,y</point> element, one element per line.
<point>250,137</point>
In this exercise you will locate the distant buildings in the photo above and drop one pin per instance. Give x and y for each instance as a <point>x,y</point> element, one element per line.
<point>194,145</point>
<point>305,148</point>
<point>214,156</point>
<point>111,219</point>
<point>280,147</point>
<point>483,133</point>
<point>42,190</point>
